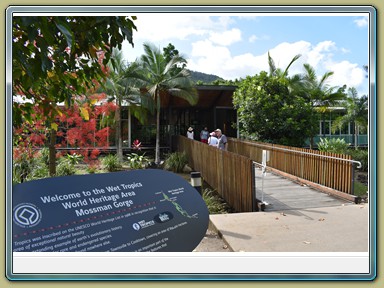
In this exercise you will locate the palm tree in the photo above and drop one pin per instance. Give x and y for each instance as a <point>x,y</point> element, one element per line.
<point>356,112</point>
<point>294,82</point>
<point>273,71</point>
<point>165,76</point>
<point>122,85</point>
<point>319,93</point>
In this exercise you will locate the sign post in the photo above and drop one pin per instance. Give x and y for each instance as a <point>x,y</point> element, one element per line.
<point>264,173</point>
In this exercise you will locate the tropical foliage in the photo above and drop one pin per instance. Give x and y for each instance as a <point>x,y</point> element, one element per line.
<point>319,94</point>
<point>138,161</point>
<point>57,57</point>
<point>78,126</point>
<point>268,112</point>
<point>123,86</point>
<point>176,162</point>
<point>335,145</point>
<point>162,77</point>
<point>356,112</point>
<point>111,163</point>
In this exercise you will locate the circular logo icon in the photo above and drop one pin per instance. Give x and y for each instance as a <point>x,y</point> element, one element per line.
<point>136,226</point>
<point>26,215</point>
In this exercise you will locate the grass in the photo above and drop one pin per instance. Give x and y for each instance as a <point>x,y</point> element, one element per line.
<point>359,189</point>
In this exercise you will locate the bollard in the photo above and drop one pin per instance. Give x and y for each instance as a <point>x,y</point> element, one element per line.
<point>196,181</point>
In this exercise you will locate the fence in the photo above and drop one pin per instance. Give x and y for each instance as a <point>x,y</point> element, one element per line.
<point>328,169</point>
<point>229,173</point>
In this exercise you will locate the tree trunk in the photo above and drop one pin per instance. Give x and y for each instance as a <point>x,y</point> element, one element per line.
<point>52,153</point>
<point>119,142</point>
<point>157,148</point>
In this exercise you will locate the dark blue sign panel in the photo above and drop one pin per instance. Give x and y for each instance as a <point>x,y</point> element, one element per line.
<point>136,211</point>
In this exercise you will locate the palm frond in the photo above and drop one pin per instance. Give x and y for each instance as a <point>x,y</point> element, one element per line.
<point>271,64</point>
<point>285,74</point>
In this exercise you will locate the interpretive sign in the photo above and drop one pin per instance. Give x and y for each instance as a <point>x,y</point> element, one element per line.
<point>135,211</point>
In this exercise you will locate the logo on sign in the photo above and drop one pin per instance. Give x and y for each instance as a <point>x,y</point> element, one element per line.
<point>142,224</point>
<point>136,226</point>
<point>26,215</point>
<point>163,217</point>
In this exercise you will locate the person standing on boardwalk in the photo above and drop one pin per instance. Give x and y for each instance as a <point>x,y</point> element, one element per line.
<point>212,140</point>
<point>204,134</point>
<point>190,133</point>
<point>223,141</point>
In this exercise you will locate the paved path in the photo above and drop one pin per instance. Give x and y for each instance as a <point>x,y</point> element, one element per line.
<point>329,229</point>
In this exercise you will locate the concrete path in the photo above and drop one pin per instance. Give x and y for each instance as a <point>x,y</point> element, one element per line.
<point>330,229</point>
<point>296,219</point>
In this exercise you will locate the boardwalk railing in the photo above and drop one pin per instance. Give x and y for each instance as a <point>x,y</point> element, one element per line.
<point>229,173</point>
<point>331,170</point>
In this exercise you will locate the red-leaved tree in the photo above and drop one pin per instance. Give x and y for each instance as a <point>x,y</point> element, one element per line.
<point>80,129</point>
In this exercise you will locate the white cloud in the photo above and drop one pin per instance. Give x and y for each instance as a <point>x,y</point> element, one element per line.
<point>214,54</point>
<point>253,38</point>
<point>346,73</point>
<point>320,53</point>
<point>344,50</point>
<point>163,28</point>
<point>362,22</point>
<point>218,60</point>
<point>226,38</point>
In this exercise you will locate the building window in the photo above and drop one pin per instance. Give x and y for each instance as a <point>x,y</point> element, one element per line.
<point>325,127</point>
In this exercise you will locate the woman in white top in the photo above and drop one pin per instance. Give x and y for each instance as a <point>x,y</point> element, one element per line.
<point>190,133</point>
<point>212,140</point>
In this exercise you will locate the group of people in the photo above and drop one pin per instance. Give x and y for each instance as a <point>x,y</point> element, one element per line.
<point>215,138</point>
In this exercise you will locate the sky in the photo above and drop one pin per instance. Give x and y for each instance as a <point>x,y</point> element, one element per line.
<point>234,46</point>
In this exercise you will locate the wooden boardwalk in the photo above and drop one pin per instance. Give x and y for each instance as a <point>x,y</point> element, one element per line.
<point>280,194</point>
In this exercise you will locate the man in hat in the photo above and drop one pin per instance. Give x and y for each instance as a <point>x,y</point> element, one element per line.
<point>223,142</point>
<point>190,133</point>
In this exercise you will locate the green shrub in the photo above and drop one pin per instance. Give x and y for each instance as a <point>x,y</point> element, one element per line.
<point>22,168</point>
<point>335,145</point>
<point>111,163</point>
<point>362,156</point>
<point>136,161</point>
<point>65,167</point>
<point>359,189</point>
<point>27,168</point>
<point>40,170</point>
<point>91,169</point>
<point>74,158</point>
<point>215,204</point>
<point>175,162</point>
<point>44,155</point>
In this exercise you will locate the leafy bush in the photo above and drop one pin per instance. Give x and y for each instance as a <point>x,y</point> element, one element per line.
<point>111,163</point>
<point>65,167</point>
<point>91,168</point>
<point>333,146</point>
<point>215,204</point>
<point>22,167</point>
<point>136,161</point>
<point>29,166</point>
<point>362,156</point>
<point>175,162</point>
<point>44,155</point>
<point>74,158</point>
